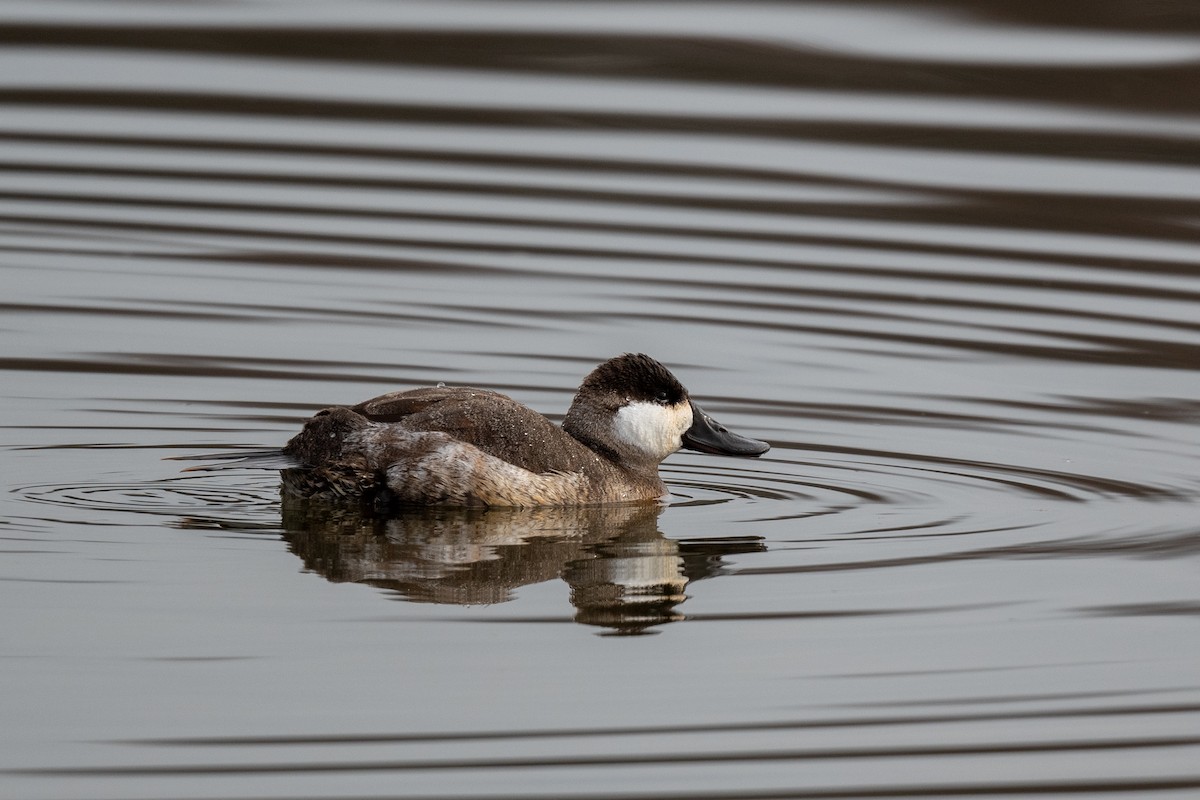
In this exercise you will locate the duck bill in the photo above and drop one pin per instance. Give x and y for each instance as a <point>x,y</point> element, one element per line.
<point>709,436</point>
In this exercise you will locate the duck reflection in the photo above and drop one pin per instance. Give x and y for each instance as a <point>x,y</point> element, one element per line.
<point>624,574</point>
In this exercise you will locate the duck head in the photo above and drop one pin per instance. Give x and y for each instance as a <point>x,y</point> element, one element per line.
<point>633,409</point>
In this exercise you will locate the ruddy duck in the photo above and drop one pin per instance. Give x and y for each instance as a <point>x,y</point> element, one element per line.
<point>471,447</point>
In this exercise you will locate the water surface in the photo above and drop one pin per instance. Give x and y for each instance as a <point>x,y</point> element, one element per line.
<point>942,257</point>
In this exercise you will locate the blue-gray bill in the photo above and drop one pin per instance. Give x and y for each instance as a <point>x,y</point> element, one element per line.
<point>709,436</point>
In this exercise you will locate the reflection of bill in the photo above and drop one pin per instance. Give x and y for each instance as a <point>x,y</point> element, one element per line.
<point>624,574</point>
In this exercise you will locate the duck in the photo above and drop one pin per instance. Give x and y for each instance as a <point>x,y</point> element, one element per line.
<point>462,446</point>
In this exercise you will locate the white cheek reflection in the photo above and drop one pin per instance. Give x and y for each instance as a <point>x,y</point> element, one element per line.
<point>652,428</point>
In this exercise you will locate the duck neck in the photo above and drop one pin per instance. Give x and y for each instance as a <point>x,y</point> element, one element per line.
<point>622,460</point>
<point>588,434</point>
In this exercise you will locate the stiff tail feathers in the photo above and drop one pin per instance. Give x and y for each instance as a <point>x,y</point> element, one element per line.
<point>246,459</point>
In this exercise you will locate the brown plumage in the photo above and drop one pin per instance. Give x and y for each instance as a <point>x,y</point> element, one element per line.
<point>464,446</point>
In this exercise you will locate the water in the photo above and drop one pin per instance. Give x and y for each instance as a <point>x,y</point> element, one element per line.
<point>942,257</point>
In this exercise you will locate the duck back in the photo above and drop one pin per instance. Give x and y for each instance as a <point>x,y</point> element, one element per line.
<point>456,446</point>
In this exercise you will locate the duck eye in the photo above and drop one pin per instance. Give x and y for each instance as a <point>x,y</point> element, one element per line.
<point>661,396</point>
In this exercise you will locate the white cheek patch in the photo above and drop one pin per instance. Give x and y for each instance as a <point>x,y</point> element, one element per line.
<point>652,428</point>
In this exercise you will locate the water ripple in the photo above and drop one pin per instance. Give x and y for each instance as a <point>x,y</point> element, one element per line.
<point>942,257</point>
<point>172,497</point>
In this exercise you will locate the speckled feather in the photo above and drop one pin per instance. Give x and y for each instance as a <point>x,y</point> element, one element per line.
<point>454,446</point>
<point>463,446</point>
<point>490,421</point>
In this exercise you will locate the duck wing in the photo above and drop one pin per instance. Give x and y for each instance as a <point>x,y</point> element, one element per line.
<point>493,422</point>
<point>398,406</point>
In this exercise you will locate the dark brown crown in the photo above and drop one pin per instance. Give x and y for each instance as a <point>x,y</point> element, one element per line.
<point>634,377</point>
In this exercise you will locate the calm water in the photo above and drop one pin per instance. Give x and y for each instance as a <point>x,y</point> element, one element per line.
<point>943,257</point>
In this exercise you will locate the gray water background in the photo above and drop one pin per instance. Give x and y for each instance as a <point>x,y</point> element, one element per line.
<point>942,256</point>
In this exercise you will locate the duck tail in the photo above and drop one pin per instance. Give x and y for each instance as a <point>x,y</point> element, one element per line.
<point>318,444</point>
<point>246,459</point>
